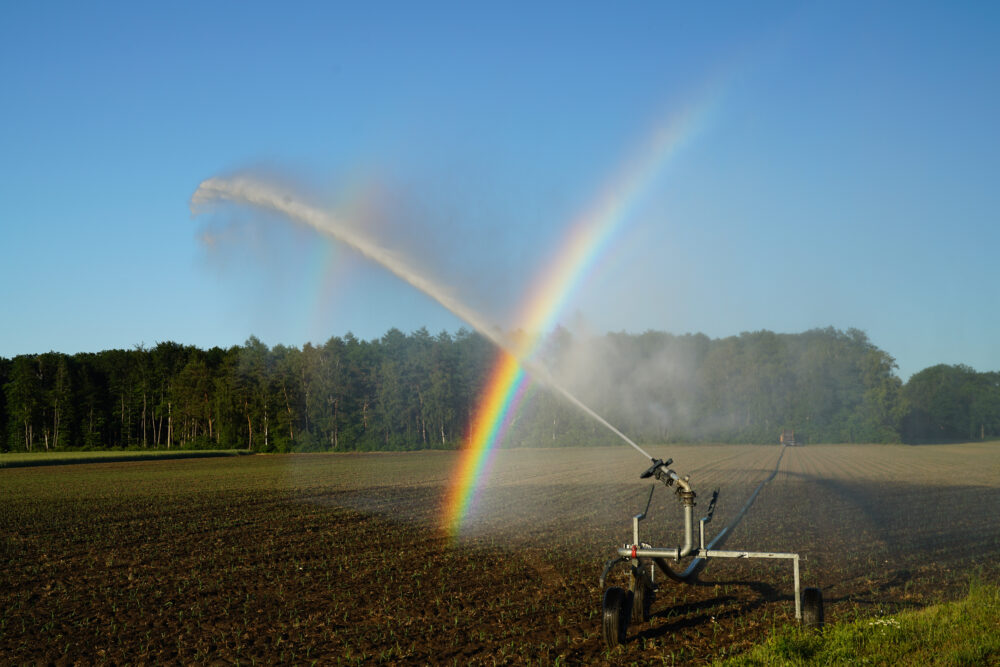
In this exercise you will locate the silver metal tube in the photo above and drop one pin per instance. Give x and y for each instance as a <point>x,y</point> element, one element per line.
<point>676,554</point>
<point>720,553</point>
<point>688,538</point>
<point>660,552</point>
<point>650,552</point>
<point>702,556</point>
<point>642,515</point>
<point>798,598</point>
<point>693,568</point>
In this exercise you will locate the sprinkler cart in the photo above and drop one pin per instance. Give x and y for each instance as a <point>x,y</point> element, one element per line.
<point>619,606</point>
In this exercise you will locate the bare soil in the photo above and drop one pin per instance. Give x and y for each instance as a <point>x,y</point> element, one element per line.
<point>341,559</point>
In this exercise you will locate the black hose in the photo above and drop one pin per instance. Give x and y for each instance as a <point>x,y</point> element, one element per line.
<point>691,572</point>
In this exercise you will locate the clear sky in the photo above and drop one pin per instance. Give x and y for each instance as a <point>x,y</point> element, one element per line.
<point>841,167</point>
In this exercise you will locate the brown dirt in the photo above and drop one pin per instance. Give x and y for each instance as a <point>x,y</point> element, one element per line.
<point>339,559</point>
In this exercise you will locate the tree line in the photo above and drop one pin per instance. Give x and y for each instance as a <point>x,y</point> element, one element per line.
<point>420,391</point>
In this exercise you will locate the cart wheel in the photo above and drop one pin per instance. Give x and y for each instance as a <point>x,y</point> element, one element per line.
<point>642,597</point>
<point>812,608</point>
<point>617,607</point>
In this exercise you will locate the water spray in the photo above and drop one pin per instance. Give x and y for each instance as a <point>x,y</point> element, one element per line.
<point>252,192</point>
<point>619,605</point>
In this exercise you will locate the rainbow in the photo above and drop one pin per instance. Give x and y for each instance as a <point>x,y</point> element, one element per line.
<point>587,240</point>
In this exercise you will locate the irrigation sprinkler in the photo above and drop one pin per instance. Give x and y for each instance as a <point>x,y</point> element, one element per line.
<point>620,606</point>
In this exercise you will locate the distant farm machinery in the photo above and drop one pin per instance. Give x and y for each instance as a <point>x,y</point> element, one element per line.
<point>620,605</point>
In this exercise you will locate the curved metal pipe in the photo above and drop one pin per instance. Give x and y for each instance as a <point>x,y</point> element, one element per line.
<point>681,481</point>
<point>688,536</point>
<point>699,563</point>
<point>610,564</point>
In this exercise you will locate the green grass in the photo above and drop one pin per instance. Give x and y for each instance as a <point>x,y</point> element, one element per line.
<point>966,632</point>
<point>23,459</point>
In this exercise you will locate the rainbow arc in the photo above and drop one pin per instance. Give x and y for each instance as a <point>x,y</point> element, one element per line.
<point>587,240</point>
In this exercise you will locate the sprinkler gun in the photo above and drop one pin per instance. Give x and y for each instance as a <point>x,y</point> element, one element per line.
<point>621,605</point>
<point>660,470</point>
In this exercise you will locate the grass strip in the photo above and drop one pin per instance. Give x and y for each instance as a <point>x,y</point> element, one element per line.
<point>965,632</point>
<point>27,460</point>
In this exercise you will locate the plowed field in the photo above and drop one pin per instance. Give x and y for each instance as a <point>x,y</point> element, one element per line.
<point>339,559</point>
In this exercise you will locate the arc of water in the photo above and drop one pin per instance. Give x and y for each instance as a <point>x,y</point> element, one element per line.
<point>256,193</point>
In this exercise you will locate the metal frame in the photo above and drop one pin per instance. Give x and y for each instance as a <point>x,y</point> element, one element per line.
<point>638,551</point>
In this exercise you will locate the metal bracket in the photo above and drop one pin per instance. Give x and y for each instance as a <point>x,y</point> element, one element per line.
<point>611,563</point>
<point>639,517</point>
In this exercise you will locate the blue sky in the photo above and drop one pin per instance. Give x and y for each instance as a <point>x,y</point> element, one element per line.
<point>844,173</point>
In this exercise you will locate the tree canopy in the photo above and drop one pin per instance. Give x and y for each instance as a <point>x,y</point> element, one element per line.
<point>415,391</point>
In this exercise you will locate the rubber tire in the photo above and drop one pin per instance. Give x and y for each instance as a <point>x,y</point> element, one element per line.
<point>642,598</point>
<point>617,608</point>
<point>812,608</point>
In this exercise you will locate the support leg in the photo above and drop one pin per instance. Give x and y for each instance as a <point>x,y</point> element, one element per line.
<point>798,597</point>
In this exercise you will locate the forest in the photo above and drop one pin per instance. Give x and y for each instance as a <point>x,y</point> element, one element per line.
<point>419,391</point>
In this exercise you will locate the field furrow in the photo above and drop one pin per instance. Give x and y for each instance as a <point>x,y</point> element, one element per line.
<point>341,557</point>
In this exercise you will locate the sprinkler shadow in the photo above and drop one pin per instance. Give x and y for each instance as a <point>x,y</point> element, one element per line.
<point>908,517</point>
<point>679,617</point>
